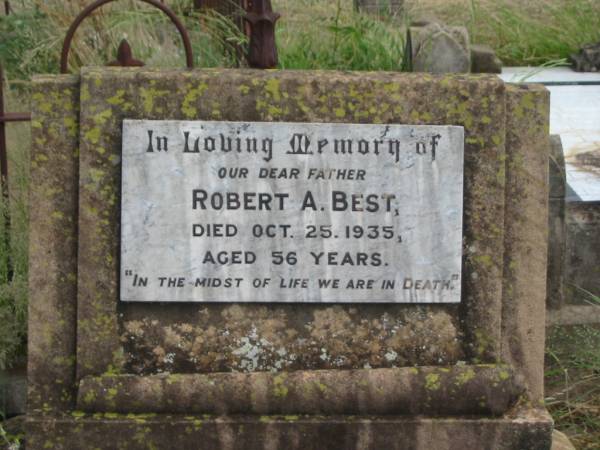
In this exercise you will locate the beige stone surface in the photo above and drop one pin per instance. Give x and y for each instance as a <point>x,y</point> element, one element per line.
<point>210,338</point>
<point>457,390</point>
<point>526,233</point>
<point>53,243</point>
<point>561,442</point>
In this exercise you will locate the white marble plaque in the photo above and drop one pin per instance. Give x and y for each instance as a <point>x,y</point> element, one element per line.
<point>291,212</point>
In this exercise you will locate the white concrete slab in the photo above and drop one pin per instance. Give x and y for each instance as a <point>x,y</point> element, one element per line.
<point>575,116</point>
<point>547,75</point>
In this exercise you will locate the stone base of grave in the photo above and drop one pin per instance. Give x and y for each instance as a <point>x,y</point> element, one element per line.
<point>525,430</point>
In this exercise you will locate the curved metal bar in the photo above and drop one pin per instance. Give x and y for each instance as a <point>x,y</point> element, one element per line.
<point>64,58</point>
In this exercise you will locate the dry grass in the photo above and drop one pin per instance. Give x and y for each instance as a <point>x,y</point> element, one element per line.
<point>13,251</point>
<point>573,383</point>
<point>523,33</point>
<point>32,37</point>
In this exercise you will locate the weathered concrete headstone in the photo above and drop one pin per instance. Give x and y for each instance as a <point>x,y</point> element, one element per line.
<point>440,49</point>
<point>144,218</point>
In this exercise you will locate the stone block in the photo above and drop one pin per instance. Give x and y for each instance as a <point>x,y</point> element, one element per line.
<point>526,233</point>
<point>557,231</point>
<point>484,60</point>
<point>440,49</point>
<point>522,429</point>
<point>436,391</point>
<point>53,242</point>
<point>583,252</point>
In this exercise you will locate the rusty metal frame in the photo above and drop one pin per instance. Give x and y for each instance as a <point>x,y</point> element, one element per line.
<point>262,49</point>
<point>6,117</point>
<point>125,57</point>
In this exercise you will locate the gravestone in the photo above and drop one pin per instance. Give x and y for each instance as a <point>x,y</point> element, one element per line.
<point>439,49</point>
<point>246,259</point>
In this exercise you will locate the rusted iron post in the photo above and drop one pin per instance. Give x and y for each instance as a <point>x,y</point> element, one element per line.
<point>262,51</point>
<point>125,57</point>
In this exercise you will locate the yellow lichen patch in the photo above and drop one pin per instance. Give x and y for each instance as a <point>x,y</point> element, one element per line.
<point>149,95</point>
<point>193,93</point>
<point>89,397</point>
<point>321,387</point>
<point>279,389</point>
<point>117,99</point>
<point>465,377</point>
<point>432,382</point>
<point>102,117</point>
<point>485,260</point>
<point>503,375</point>
<point>272,88</point>
<point>483,342</point>
<point>71,125</point>
<point>84,96</point>
<point>92,135</point>
<point>78,414</point>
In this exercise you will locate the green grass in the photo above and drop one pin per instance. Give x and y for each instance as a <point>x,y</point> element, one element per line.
<point>13,241</point>
<point>522,35</point>
<point>312,34</point>
<point>573,382</point>
<point>31,39</point>
<point>331,35</point>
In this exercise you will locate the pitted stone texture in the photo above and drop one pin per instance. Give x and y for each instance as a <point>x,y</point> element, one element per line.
<point>53,242</point>
<point>523,430</point>
<point>109,96</point>
<point>435,391</point>
<point>219,338</point>
<point>440,49</point>
<point>526,233</point>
